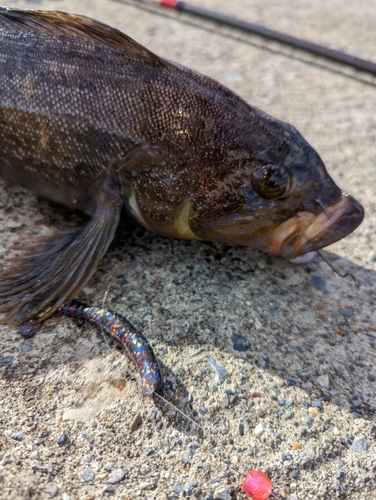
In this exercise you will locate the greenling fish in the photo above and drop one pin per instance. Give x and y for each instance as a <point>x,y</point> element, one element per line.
<point>92,120</point>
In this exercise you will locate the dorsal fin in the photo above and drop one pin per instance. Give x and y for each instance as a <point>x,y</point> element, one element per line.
<point>56,23</point>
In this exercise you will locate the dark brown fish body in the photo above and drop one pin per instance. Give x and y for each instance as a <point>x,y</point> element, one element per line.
<point>92,120</point>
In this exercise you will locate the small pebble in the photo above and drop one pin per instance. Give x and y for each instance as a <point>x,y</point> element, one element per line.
<point>146,486</point>
<point>263,362</point>
<point>178,488</point>
<point>234,399</point>
<point>317,404</point>
<point>288,415</point>
<point>310,420</point>
<point>191,485</point>
<point>356,401</point>
<point>313,411</point>
<point>290,382</point>
<point>52,490</point>
<point>191,449</point>
<point>116,476</point>
<point>340,474</point>
<point>319,283</point>
<point>40,468</point>
<point>63,439</point>
<point>88,475</point>
<point>239,342</point>
<point>88,437</point>
<point>136,422</point>
<point>241,429</point>
<point>348,314</point>
<point>221,372</point>
<point>110,490</point>
<point>359,445</point>
<point>6,359</point>
<point>17,436</point>
<point>259,429</point>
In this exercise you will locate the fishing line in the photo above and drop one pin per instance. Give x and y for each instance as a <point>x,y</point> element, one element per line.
<point>324,209</point>
<point>338,273</point>
<point>175,408</point>
<point>264,32</point>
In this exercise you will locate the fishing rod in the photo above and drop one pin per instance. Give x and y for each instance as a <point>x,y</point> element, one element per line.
<point>256,29</point>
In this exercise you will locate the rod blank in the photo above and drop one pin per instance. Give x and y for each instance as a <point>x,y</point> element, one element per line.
<point>256,29</point>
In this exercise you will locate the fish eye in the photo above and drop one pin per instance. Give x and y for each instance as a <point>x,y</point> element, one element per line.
<point>270,181</point>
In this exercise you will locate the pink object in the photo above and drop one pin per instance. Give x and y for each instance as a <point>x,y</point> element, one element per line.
<point>169,3</point>
<point>257,485</point>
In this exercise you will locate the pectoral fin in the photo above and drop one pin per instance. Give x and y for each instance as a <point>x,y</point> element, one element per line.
<point>53,270</point>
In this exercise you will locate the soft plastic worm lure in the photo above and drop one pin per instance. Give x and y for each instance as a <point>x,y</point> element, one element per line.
<point>120,329</point>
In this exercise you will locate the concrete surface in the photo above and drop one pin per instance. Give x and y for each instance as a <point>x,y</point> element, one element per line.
<point>304,377</point>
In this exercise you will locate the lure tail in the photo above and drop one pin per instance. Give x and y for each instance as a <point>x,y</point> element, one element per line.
<point>120,329</point>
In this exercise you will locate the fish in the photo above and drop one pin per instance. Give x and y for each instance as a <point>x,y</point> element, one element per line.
<point>94,121</point>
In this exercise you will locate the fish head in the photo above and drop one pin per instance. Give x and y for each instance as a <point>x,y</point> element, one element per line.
<point>290,206</point>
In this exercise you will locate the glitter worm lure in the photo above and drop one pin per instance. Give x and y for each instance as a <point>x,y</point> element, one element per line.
<point>120,329</point>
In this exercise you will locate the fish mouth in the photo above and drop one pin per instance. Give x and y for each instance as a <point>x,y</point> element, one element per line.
<point>307,232</point>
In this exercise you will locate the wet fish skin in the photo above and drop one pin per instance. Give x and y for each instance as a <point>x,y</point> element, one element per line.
<point>93,120</point>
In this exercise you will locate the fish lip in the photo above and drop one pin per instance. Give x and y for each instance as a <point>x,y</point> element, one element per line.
<point>344,224</point>
<point>308,232</point>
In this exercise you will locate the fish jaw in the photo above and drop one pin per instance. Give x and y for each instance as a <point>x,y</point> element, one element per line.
<point>307,232</point>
